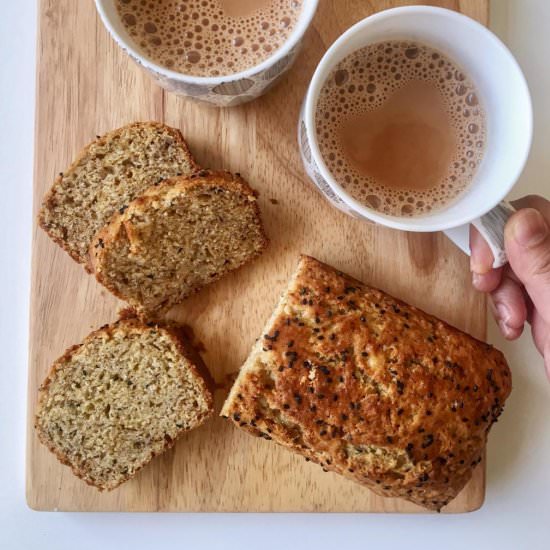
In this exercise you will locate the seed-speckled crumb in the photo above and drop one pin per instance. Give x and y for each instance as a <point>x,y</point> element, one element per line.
<point>124,395</point>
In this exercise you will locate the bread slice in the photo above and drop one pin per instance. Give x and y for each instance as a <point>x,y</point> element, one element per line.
<point>106,176</point>
<point>123,396</point>
<point>371,388</point>
<point>176,238</point>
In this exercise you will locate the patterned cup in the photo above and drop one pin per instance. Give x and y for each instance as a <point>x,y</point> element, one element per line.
<point>223,91</point>
<point>508,140</point>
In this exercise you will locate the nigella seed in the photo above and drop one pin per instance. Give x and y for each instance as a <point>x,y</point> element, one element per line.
<point>399,412</point>
<point>327,289</point>
<point>332,336</point>
<point>322,432</point>
<point>310,302</point>
<point>428,440</point>
<point>389,439</point>
<point>281,368</point>
<point>410,447</point>
<point>364,354</point>
<point>424,477</point>
<point>311,390</point>
<point>344,417</point>
<point>325,370</point>
<point>317,320</point>
<point>475,387</point>
<point>286,406</point>
<point>319,422</point>
<point>340,379</point>
<point>236,417</point>
<point>298,398</point>
<point>272,338</point>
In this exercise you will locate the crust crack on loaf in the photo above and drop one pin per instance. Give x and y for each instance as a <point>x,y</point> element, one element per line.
<point>371,388</point>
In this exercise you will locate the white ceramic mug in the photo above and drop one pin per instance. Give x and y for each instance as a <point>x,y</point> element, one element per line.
<point>504,96</point>
<point>225,90</point>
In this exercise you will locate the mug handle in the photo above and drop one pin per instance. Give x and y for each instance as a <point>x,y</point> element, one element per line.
<point>491,227</point>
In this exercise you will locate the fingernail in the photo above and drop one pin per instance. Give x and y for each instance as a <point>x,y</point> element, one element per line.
<point>502,312</point>
<point>476,279</point>
<point>505,329</point>
<point>529,228</point>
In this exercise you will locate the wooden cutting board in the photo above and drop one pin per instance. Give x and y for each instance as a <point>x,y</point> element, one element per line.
<point>87,86</point>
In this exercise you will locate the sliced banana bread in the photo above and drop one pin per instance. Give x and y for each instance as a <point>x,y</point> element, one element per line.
<point>177,237</point>
<point>106,176</point>
<point>124,395</point>
<point>371,388</point>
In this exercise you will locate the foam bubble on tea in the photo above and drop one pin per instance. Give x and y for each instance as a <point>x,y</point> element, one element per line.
<point>401,128</point>
<point>209,37</point>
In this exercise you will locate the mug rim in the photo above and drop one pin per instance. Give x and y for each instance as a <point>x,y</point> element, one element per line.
<point>304,23</point>
<point>419,223</point>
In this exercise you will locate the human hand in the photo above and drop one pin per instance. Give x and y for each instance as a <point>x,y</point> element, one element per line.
<point>519,291</point>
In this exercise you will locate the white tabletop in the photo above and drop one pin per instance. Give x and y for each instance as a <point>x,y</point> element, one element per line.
<point>516,513</point>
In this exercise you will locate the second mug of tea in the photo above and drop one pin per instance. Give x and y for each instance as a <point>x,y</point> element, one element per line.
<point>418,118</point>
<point>222,52</point>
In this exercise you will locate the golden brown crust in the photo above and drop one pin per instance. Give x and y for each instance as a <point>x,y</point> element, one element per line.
<point>49,198</point>
<point>371,388</point>
<point>127,322</point>
<point>172,186</point>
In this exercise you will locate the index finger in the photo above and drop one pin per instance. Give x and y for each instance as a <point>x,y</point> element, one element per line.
<point>484,278</point>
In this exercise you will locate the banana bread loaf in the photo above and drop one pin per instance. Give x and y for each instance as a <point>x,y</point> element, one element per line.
<point>371,388</point>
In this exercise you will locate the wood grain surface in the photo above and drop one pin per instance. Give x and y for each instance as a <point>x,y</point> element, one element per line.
<point>87,86</point>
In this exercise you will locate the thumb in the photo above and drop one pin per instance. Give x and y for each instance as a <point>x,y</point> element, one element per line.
<point>527,242</point>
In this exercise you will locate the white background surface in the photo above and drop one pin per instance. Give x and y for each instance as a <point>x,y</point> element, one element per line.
<point>516,513</point>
